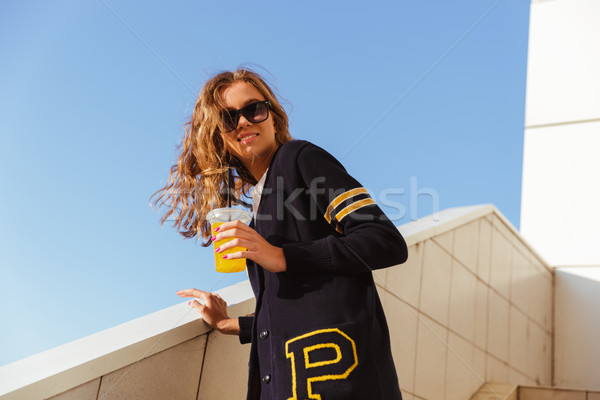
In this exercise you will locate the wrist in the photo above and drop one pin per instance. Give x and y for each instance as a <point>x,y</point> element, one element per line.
<point>281,263</point>
<point>229,326</point>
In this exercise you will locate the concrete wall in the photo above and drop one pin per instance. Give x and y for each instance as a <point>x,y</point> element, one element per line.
<point>577,328</point>
<point>561,167</point>
<point>210,366</point>
<point>169,354</point>
<point>472,305</point>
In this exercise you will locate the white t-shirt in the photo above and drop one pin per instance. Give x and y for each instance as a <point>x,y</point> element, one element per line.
<point>256,193</point>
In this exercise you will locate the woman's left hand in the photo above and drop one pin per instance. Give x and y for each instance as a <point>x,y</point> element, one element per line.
<point>259,250</point>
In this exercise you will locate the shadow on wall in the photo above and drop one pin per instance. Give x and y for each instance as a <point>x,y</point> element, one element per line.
<point>577,328</point>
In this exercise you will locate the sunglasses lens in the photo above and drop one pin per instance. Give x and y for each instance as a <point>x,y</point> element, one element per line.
<point>229,120</point>
<point>256,112</point>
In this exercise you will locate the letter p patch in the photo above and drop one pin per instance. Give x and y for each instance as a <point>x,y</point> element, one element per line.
<point>323,355</point>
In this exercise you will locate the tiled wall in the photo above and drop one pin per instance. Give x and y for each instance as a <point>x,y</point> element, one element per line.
<point>470,305</point>
<point>211,366</point>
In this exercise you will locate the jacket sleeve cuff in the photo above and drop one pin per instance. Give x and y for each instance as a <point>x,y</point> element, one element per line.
<point>245,329</point>
<point>312,256</point>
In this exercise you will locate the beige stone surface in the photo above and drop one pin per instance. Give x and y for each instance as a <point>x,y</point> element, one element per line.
<point>402,323</point>
<point>550,394</point>
<point>547,290</point>
<point>224,355</point>
<point>484,251</point>
<point>380,276</point>
<point>593,396</point>
<point>481,314</point>
<point>478,366</point>
<point>407,396</point>
<point>539,299</point>
<point>431,359</point>
<point>459,369</point>
<point>405,280</point>
<point>539,355</point>
<point>498,320</point>
<point>466,242</point>
<point>462,301</point>
<point>87,391</point>
<point>171,374</point>
<point>435,283</point>
<point>500,224</point>
<point>496,371</point>
<point>519,378</point>
<point>445,240</point>
<point>523,273</point>
<point>496,391</point>
<point>518,341</point>
<point>500,273</point>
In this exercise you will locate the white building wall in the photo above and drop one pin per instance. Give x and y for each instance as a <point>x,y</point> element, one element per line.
<point>577,328</point>
<point>561,167</point>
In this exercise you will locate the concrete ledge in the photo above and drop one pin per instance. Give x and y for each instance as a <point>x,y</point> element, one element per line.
<point>450,218</point>
<point>64,367</point>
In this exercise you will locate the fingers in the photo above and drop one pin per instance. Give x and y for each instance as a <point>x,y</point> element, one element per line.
<point>235,255</point>
<point>237,242</point>
<point>231,224</point>
<point>233,229</point>
<point>196,304</point>
<point>207,297</point>
<point>186,293</point>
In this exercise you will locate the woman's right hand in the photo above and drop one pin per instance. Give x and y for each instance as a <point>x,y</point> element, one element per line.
<point>213,311</point>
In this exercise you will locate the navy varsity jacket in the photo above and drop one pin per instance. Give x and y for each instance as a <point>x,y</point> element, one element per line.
<point>319,331</point>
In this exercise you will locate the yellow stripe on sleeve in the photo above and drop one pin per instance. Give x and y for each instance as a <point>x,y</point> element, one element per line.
<point>339,199</point>
<point>353,207</point>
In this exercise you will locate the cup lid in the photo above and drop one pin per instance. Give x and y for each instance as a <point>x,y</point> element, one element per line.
<point>228,214</point>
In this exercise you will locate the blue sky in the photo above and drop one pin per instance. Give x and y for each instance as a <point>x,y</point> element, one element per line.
<point>94,95</point>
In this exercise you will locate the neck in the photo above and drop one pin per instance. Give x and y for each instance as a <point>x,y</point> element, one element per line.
<point>259,165</point>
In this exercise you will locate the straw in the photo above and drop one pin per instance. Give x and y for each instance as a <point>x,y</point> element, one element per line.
<point>229,190</point>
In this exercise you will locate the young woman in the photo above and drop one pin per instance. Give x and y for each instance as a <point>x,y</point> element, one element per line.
<point>318,330</point>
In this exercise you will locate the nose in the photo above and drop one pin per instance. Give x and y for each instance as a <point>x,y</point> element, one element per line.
<point>243,121</point>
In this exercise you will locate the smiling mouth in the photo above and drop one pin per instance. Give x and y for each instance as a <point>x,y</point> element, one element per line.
<point>247,137</point>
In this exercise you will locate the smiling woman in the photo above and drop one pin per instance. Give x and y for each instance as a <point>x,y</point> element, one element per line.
<point>198,182</point>
<point>319,329</point>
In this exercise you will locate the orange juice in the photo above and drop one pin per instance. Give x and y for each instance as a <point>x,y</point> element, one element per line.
<point>223,264</point>
<point>216,218</point>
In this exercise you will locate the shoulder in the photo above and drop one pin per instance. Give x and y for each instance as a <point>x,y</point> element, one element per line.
<point>293,147</point>
<point>303,150</point>
<point>307,159</point>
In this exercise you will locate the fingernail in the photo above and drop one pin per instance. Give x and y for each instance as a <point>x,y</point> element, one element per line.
<point>217,250</point>
<point>213,238</point>
<point>217,230</point>
<point>225,256</point>
<point>189,302</point>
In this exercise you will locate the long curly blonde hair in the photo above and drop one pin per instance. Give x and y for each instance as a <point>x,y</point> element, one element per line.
<point>198,182</point>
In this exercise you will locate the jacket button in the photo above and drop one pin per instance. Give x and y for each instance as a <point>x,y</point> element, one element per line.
<point>264,334</point>
<point>266,378</point>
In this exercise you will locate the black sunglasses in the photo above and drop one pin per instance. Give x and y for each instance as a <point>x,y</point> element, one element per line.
<point>253,112</point>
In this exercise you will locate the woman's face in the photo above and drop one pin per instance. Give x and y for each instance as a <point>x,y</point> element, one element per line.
<point>249,142</point>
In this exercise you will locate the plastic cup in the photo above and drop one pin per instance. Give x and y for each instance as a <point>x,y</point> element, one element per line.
<point>216,218</point>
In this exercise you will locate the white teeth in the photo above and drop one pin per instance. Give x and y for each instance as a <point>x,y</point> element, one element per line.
<point>247,137</point>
